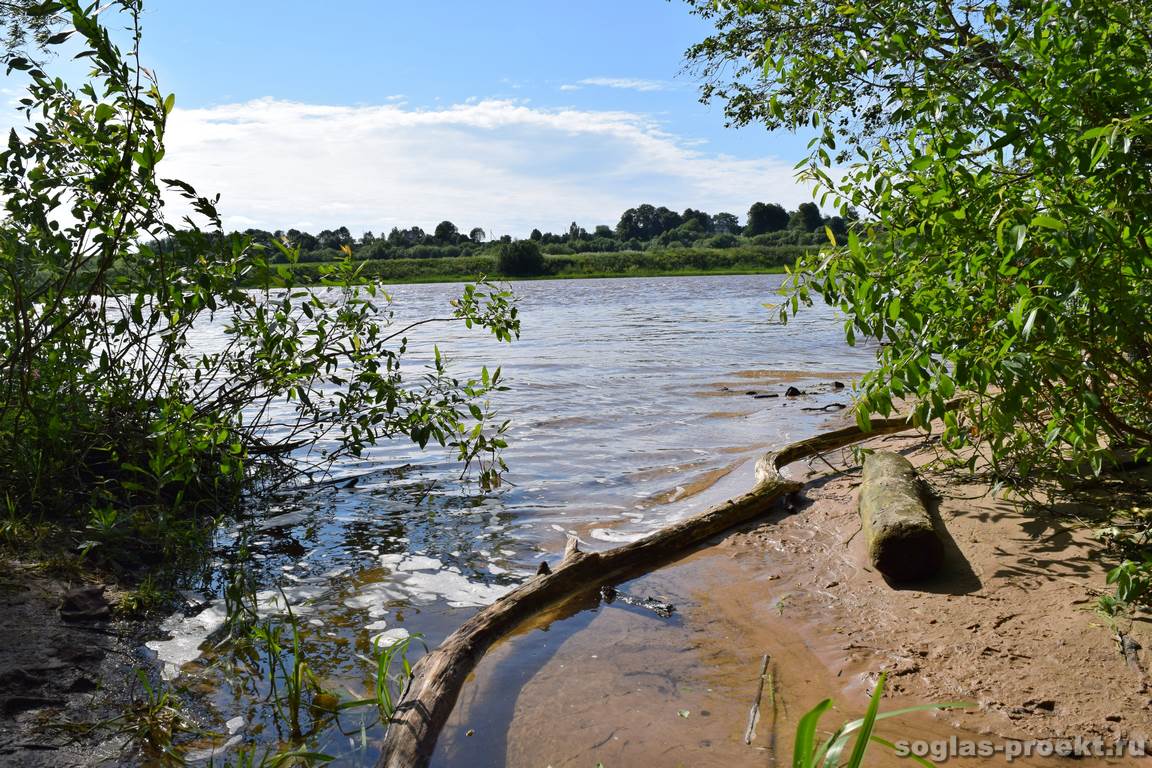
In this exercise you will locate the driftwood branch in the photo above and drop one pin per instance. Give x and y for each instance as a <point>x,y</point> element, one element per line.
<point>754,713</point>
<point>439,676</point>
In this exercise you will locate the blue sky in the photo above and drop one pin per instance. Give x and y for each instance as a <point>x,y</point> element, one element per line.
<point>505,115</point>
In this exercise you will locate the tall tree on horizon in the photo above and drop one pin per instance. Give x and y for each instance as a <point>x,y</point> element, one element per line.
<point>766,217</point>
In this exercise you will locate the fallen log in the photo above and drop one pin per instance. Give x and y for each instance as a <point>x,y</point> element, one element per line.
<point>439,676</point>
<point>898,529</point>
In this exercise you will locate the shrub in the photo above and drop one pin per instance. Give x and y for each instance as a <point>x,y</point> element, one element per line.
<point>112,424</point>
<point>1003,152</point>
<point>723,241</point>
<point>520,258</point>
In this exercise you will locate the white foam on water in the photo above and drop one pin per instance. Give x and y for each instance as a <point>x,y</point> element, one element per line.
<point>210,753</point>
<point>270,601</point>
<point>407,563</point>
<point>188,634</point>
<point>426,579</point>
<point>373,598</point>
<point>287,519</point>
<point>614,536</point>
<point>391,637</point>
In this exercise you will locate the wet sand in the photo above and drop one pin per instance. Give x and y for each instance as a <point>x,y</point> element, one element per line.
<point>1008,626</point>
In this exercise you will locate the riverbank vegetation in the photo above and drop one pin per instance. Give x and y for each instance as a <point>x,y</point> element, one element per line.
<point>647,241</point>
<point>1014,259</point>
<point>1002,159</point>
<point>640,229</point>
<point>120,441</point>
<point>680,261</point>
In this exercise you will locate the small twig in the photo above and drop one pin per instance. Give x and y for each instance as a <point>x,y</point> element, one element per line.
<point>754,713</point>
<point>858,529</point>
<point>347,481</point>
<point>826,462</point>
<point>772,722</point>
<point>427,493</point>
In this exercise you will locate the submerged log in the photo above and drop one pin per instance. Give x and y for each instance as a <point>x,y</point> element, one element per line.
<point>898,528</point>
<point>439,676</point>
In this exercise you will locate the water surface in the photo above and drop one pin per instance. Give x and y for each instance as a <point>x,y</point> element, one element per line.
<point>633,402</point>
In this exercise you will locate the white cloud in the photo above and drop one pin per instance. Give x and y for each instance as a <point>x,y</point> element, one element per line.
<point>501,165</point>
<point>628,83</point>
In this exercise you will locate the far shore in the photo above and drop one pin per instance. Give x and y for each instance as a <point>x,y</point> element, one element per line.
<point>674,262</point>
<point>588,276</point>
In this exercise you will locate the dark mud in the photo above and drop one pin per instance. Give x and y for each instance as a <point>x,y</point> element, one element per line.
<point>64,679</point>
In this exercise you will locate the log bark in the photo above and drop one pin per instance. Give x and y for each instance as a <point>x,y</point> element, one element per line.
<point>439,676</point>
<point>898,528</point>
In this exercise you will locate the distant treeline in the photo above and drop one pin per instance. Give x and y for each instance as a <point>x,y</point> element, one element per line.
<point>640,229</point>
<point>743,259</point>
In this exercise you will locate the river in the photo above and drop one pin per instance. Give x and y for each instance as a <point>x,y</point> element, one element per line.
<point>633,402</point>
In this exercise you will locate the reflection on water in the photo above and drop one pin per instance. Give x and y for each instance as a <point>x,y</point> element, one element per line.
<point>632,402</point>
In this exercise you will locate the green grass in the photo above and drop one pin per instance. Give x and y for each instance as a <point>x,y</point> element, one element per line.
<point>661,263</point>
<point>810,751</point>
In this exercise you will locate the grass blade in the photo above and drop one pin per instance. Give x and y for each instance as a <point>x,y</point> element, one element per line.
<point>803,754</point>
<point>867,725</point>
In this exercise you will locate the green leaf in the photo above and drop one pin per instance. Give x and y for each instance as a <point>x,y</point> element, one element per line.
<point>804,749</point>
<point>920,163</point>
<point>1020,234</point>
<point>1028,323</point>
<point>1095,133</point>
<point>1048,222</point>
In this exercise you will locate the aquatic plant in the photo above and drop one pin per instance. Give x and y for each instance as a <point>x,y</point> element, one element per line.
<point>153,723</point>
<point>810,751</point>
<point>296,758</point>
<point>391,686</point>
